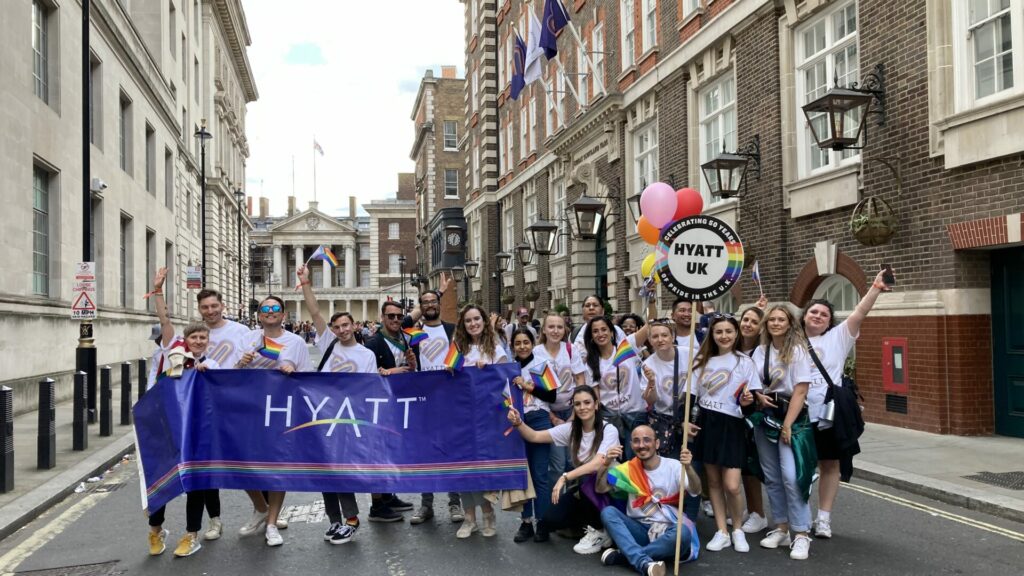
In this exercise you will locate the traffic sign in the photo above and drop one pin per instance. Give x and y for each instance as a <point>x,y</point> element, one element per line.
<point>193,277</point>
<point>83,292</point>
<point>699,258</point>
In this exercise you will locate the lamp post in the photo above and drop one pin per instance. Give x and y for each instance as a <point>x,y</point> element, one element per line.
<point>459,276</point>
<point>202,135</point>
<point>401,263</point>
<point>252,278</point>
<point>239,198</point>
<point>472,268</point>
<point>85,353</point>
<point>503,259</point>
<point>727,172</point>
<point>268,266</point>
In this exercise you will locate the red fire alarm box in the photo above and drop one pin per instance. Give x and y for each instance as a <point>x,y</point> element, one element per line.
<point>895,378</point>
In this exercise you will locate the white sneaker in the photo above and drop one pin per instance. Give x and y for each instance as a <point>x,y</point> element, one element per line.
<point>466,530</point>
<point>282,524</point>
<point>720,542</point>
<point>592,542</point>
<point>775,538</point>
<point>215,529</point>
<point>655,569</point>
<point>255,524</point>
<point>800,547</point>
<point>273,536</point>
<point>755,523</point>
<point>822,529</point>
<point>739,541</point>
<point>708,509</point>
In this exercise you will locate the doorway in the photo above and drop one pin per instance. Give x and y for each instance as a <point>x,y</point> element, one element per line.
<point>1008,340</point>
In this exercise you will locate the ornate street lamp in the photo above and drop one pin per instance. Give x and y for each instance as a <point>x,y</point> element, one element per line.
<point>589,214</point>
<point>726,173</point>
<point>472,268</point>
<point>202,136</point>
<point>634,206</point>
<point>524,253</point>
<point>544,234</point>
<point>503,259</point>
<point>845,111</point>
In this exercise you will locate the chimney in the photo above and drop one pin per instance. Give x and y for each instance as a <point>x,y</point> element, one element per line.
<point>447,71</point>
<point>313,204</point>
<point>291,206</point>
<point>351,206</point>
<point>406,186</point>
<point>264,207</point>
<point>248,206</point>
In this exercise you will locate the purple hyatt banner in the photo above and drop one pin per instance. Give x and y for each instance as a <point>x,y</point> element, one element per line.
<point>321,432</point>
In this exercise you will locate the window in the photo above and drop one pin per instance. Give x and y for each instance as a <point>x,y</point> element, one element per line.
<point>394,266</point>
<point>188,208</point>
<point>451,136</point>
<point>125,259</point>
<point>184,65</point>
<point>689,7</point>
<point>509,241</point>
<point>195,19</point>
<point>650,23</point>
<point>826,47</point>
<point>451,183</point>
<point>551,115</point>
<point>476,166</point>
<point>503,62</point>
<point>96,240</point>
<point>125,133</point>
<point>717,123</point>
<point>475,238</point>
<point>41,180</point>
<point>840,292</point>
<point>558,206</point>
<point>510,140</point>
<point>533,124</point>
<point>628,27</point>
<point>987,62</point>
<point>172,28</point>
<point>582,78</point>
<point>169,179</point>
<point>150,261</point>
<point>560,94</point>
<point>364,277</point>
<point>41,24</point>
<point>393,231</point>
<point>645,155</point>
<point>195,78</point>
<point>364,251</point>
<point>503,148</point>
<point>473,89</point>
<point>95,102</point>
<point>169,281</point>
<point>597,47</point>
<point>150,159</point>
<point>529,208</point>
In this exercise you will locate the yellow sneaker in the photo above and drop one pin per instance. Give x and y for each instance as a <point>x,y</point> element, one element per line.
<point>188,545</point>
<point>156,542</point>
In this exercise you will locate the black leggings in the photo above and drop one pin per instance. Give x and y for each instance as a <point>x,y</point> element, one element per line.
<point>195,502</point>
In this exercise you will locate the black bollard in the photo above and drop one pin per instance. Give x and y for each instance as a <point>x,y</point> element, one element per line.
<point>106,397</point>
<point>46,447</point>
<point>7,439</point>
<point>126,394</point>
<point>143,374</point>
<point>80,418</point>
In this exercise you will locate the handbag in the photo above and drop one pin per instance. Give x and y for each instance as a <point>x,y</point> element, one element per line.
<point>781,401</point>
<point>830,403</point>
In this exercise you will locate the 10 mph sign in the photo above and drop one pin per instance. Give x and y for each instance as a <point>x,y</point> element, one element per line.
<point>699,258</point>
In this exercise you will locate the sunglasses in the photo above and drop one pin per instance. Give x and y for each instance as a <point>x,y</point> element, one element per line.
<point>429,302</point>
<point>394,316</point>
<point>266,309</point>
<point>718,316</point>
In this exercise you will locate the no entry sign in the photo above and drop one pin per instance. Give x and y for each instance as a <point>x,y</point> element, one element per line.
<point>699,258</point>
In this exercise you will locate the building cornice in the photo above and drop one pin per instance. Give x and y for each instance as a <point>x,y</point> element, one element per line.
<point>236,33</point>
<point>608,109</point>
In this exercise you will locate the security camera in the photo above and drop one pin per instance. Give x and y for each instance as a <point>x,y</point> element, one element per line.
<point>98,185</point>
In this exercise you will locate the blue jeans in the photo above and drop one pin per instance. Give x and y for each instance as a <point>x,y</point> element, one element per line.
<point>538,456</point>
<point>779,466</point>
<point>559,461</point>
<point>630,537</point>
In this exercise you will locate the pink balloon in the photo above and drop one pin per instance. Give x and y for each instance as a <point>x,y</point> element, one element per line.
<point>688,203</point>
<point>658,204</point>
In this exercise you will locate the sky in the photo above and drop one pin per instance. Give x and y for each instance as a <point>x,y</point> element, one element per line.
<point>322,72</point>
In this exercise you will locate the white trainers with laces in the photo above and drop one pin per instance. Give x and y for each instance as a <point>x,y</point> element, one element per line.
<point>708,509</point>
<point>739,541</point>
<point>592,542</point>
<point>822,529</point>
<point>800,548</point>
<point>215,530</point>
<point>255,524</point>
<point>775,538</point>
<point>273,536</point>
<point>755,523</point>
<point>719,542</point>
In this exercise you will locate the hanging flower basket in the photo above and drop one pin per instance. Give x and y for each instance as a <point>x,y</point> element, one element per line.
<point>873,222</point>
<point>532,295</point>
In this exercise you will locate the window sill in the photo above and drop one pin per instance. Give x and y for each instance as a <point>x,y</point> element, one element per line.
<point>689,17</point>
<point>625,73</point>
<point>824,192</point>
<point>447,149</point>
<point>983,133</point>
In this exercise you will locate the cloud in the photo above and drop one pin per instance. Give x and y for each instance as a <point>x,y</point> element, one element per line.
<point>323,73</point>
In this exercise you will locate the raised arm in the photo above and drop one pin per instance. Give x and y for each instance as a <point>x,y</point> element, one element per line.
<point>311,303</point>
<point>529,434</point>
<point>166,328</point>
<point>855,319</point>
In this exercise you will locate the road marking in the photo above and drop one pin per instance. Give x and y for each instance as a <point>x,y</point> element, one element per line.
<point>936,512</point>
<point>52,529</point>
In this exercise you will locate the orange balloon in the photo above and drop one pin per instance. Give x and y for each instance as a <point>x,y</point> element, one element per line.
<point>648,231</point>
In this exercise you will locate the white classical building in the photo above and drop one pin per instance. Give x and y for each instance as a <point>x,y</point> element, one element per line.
<point>158,68</point>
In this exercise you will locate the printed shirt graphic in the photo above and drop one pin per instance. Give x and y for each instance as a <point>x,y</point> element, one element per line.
<point>832,348</point>
<point>784,377</point>
<point>561,435</point>
<point>434,348</point>
<point>295,352</point>
<point>720,380</point>
<point>475,354</point>
<point>663,380</point>
<point>621,390</point>
<point>530,402</point>
<point>565,367</point>
<point>228,343</point>
<point>346,359</point>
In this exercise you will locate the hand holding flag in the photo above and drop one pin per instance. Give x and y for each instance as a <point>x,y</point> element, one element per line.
<point>755,274</point>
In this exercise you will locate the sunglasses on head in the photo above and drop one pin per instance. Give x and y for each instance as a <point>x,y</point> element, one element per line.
<point>720,316</point>
<point>268,308</point>
<point>393,316</point>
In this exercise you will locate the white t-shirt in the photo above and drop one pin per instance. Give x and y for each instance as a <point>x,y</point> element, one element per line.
<point>475,354</point>
<point>347,359</point>
<point>434,348</point>
<point>154,365</point>
<point>664,380</point>
<point>294,352</point>
<point>561,435</point>
<point>783,377</point>
<point>721,381</point>
<point>621,390</point>
<point>530,402</point>
<point>228,343</point>
<point>511,327</point>
<point>664,482</point>
<point>832,348</point>
<point>566,366</point>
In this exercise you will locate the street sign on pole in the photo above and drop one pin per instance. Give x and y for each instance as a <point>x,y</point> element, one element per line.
<point>83,292</point>
<point>193,277</point>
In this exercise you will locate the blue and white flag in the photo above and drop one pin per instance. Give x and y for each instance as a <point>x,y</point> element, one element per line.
<point>518,67</point>
<point>555,18</point>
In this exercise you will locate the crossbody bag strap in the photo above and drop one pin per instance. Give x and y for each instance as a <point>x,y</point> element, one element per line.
<point>821,368</point>
<point>327,355</point>
<point>767,356</point>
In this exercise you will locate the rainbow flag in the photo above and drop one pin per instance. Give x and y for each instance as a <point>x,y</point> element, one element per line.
<point>415,335</point>
<point>545,379</point>
<point>324,253</point>
<point>632,479</point>
<point>739,393</point>
<point>506,395</point>
<point>623,352</point>
<point>454,359</point>
<point>271,349</point>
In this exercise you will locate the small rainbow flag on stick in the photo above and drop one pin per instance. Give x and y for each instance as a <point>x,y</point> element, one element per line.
<point>415,335</point>
<point>506,395</point>
<point>632,479</point>
<point>544,379</point>
<point>454,360</point>
<point>271,349</point>
<point>324,253</point>
<point>739,392</point>
<point>623,352</point>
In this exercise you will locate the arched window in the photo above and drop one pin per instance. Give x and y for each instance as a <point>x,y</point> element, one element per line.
<point>840,292</point>
<point>726,304</point>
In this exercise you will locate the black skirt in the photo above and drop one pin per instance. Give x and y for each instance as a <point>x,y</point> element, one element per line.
<point>826,444</point>
<point>722,440</point>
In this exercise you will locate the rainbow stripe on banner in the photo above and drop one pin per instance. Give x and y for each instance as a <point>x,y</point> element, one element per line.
<point>271,349</point>
<point>623,352</point>
<point>545,379</point>
<point>735,267</point>
<point>415,335</point>
<point>454,360</point>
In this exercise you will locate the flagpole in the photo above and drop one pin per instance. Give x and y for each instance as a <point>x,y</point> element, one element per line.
<point>586,55</point>
<point>551,93</point>
<point>686,435</point>
<point>567,82</point>
<point>314,170</point>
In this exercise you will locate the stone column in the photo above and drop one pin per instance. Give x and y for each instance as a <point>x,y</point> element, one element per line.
<point>298,311</point>
<point>330,308</point>
<point>328,270</point>
<point>278,265</point>
<point>365,317</point>
<point>350,266</point>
